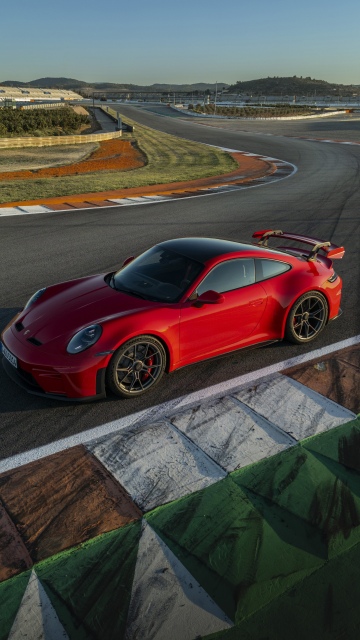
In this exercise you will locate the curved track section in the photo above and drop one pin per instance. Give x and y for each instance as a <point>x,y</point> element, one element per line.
<point>322,198</point>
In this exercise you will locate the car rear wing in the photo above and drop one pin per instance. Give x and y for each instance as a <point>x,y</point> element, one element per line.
<point>331,250</point>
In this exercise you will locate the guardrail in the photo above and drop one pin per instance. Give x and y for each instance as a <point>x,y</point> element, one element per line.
<point>114,115</point>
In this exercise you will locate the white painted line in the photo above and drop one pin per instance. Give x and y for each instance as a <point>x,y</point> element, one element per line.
<point>226,149</point>
<point>241,381</point>
<point>156,464</point>
<point>9,211</point>
<point>297,410</point>
<point>136,199</point>
<point>120,200</point>
<point>143,200</point>
<point>320,140</point>
<point>14,211</point>
<point>159,411</point>
<point>166,600</point>
<point>35,208</point>
<point>154,198</point>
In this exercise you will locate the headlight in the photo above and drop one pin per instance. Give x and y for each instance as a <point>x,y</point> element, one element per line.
<point>84,339</point>
<point>333,278</point>
<point>34,298</point>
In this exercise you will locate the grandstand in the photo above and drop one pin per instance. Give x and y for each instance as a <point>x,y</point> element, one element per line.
<point>28,94</point>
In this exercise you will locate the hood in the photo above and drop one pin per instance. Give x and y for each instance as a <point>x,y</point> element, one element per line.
<point>66,308</point>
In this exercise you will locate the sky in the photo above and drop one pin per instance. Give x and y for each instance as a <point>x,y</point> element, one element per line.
<point>187,41</point>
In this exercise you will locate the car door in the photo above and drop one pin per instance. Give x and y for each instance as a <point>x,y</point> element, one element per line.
<point>209,329</point>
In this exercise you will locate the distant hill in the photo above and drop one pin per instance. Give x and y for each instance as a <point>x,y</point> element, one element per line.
<point>13,83</point>
<point>291,86</point>
<point>47,83</point>
<point>76,85</point>
<point>276,86</point>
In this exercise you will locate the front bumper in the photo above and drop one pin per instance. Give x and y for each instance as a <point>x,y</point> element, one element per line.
<point>27,382</point>
<point>340,312</point>
<point>65,379</point>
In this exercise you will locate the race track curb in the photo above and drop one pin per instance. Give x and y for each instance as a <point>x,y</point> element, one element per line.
<point>236,181</point>
<point>189,525</point>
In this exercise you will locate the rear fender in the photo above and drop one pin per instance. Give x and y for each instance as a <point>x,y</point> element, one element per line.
<point>316,290</point>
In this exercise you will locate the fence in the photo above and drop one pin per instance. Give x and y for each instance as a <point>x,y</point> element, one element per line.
<point>43,105</point>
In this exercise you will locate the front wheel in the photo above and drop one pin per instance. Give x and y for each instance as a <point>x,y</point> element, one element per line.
<point>307,318</point>
<point>136,366</point>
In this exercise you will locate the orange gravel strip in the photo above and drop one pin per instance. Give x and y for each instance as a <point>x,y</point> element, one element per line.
<point>112,154</point>
<point>249,168</point>
<point>56,503</point>
<point>336,376</point>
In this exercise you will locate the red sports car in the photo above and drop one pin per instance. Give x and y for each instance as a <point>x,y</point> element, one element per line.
<point>180,302</point>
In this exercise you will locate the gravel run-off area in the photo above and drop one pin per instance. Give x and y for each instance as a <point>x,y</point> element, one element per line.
<point>42,157</point>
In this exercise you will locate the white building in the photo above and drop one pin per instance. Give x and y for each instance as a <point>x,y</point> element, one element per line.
<point>29,94</point>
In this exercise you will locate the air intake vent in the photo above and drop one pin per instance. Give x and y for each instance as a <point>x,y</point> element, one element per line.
<point>34,341</point>
<point>19,326</point>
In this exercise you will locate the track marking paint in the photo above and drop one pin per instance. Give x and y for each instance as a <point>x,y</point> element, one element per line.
<point>160,411</point>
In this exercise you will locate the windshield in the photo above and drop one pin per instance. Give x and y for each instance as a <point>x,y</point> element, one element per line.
<point>158,274</point>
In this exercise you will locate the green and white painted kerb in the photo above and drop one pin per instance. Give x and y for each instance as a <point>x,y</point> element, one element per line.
<point>249,528</point>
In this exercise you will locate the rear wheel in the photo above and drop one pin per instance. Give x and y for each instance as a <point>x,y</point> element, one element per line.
<point>307,318</point>
<point>137,366</point>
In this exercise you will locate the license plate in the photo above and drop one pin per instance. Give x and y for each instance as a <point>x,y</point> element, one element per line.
<point>9,356</point>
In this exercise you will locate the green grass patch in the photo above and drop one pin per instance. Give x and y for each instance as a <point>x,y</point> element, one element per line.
<point>168,159</point>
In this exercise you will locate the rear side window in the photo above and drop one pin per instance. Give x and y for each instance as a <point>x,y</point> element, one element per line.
<point>266,269</point>
<point>229,275</point>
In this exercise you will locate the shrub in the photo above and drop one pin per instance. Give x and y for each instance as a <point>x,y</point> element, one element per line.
<point>14,122</point>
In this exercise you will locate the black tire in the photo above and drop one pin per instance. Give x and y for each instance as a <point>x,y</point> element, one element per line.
<point>307,318</point>
<point>137,366</point>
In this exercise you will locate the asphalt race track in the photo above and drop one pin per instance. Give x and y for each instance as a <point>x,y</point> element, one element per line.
<point>322,199</point>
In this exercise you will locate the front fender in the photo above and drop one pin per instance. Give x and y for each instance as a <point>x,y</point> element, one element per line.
<point>162,324</point>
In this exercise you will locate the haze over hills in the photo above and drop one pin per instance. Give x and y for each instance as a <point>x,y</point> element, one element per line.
<point>70,83</point>
<point>264,86</point>
<point>292,86</point>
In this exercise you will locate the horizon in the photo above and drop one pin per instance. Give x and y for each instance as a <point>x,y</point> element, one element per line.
<point>172,84</point>
<point>196,40</point>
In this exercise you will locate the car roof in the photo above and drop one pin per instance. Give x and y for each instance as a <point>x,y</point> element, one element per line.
<point>204,249</point>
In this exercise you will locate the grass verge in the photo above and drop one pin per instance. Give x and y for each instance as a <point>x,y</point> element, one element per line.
<point>168,159</point>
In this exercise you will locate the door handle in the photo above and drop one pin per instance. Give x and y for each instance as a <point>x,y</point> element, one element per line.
<point>256,303</point>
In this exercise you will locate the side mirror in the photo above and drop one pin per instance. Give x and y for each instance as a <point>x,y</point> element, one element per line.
<point>130,259</point>
<point>210,297</point>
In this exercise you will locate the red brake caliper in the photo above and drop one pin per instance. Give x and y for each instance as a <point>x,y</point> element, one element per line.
<point>149,363</point>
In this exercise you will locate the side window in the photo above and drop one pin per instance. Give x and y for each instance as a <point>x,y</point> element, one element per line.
<point>266,269</point>
<point>229,275</point>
